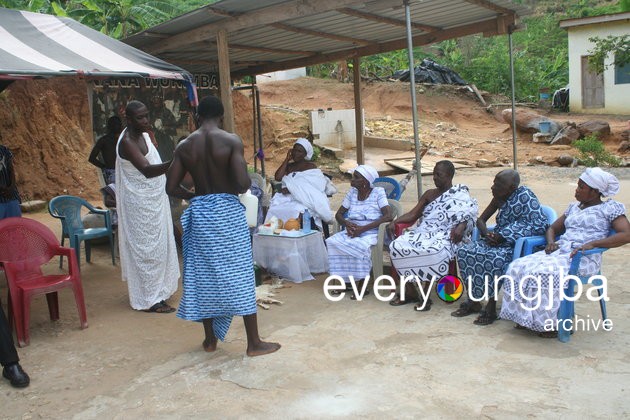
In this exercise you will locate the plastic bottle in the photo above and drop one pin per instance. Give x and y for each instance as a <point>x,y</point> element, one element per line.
<point>306,221</point>
<point>250,202</point>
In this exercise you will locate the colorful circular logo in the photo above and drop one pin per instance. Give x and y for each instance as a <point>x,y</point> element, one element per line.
<point>450,288</point>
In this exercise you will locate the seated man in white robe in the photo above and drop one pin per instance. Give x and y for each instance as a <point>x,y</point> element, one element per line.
<point>304,186</point>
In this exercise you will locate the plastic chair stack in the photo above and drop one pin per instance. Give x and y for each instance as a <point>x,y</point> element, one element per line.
<point>25,245</point>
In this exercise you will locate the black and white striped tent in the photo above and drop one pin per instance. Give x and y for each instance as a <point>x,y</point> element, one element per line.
<point>38,45</point>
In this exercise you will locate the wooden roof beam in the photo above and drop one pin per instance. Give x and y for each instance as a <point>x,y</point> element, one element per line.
<point>194,62</point>
<point>269,50</point>
<point>320,34</point>
<point>491,6</point>
<point>490,26</point>
<point>155,35</point>
<point>222,12</point>
<point>268,15</point>
<point>382,19</point>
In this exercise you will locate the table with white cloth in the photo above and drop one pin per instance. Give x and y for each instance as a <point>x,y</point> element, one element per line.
<point>292,258</point>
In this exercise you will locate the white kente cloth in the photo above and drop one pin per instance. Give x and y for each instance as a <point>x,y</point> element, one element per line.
<point>352,256</point>
<point>148,256</point>
<point>308,190</point>
<point>582,226</point>
<point>425,252</point>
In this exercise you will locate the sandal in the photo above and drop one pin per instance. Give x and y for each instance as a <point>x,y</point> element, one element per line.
<point>548,334</point>
<point>426,308</point>
<point>485,318</point>
<point>397,301</point>
<point>467,308</point>
<point>160,308</point>
<point>338,292</point>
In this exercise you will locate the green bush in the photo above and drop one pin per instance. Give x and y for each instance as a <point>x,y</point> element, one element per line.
<point>593,153</point>
<point>316,152</point>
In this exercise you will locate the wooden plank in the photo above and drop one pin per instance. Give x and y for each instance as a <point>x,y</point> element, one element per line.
<point>270,50</point>
<point>476,91</point>
<point>491,6</point>
<point>406,164</point>
<point>358,109</point>
<point>320,34</point>
<point>224,81</point>
<point>383,19</point>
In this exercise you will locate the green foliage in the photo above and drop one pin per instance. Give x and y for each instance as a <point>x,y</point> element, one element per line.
<point>618,46</point>
<point>593,153</point>
<point>316,153</point>
<point>116,18</point>
<point>540,52</point>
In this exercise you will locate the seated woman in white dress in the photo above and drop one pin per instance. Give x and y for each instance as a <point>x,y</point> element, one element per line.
<point>584,225</point>
<point>363,209</point>
<point>304,186</point>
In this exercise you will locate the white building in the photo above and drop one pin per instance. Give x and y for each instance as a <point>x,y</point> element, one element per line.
<point>606,93</point>
<point>281,75</point>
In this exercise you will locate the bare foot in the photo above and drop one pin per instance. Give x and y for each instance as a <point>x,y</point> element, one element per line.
<point>209,345</point>
<point>262,348</point>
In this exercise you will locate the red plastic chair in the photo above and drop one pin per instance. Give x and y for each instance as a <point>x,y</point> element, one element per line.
<point>25,245</point>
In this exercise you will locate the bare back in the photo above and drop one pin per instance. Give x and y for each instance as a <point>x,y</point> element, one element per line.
<point>214,158</point>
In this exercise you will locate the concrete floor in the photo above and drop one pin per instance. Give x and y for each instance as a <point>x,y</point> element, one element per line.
<point>347,359</point>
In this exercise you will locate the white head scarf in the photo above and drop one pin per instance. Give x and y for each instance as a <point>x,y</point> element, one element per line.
<point>606,183</point>
<point>307,146</point>
<point>368,173</point>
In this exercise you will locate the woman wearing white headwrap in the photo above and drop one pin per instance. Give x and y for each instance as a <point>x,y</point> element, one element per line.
<point>304,186</point>
<point>363,209</point>
<point>585,225</point>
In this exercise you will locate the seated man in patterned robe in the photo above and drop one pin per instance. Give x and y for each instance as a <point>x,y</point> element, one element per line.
<point>447,214</point>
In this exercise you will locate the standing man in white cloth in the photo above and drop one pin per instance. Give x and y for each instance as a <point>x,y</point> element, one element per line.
<point>148,255</point>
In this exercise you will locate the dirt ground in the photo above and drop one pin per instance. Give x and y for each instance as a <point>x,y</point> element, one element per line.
<point>46,123</point>
<point>347,359</point>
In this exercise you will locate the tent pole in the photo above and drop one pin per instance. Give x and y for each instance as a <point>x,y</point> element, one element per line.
<point>255,115</point>
<point>510,30</point>
<point>414,105</point>
<point>260,135</point>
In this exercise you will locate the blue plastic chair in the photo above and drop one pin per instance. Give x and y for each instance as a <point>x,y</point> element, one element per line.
<point>525,245</point>
<point>67,208</point>
<point>567,307</point>
<point>391,186</point>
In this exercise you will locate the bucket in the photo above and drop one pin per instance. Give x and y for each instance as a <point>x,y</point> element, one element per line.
<point>545,127</point>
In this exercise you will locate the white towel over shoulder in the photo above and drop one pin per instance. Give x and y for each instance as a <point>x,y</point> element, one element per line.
<point>308,191</point>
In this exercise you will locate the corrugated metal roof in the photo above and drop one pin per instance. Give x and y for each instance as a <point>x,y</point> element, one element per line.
<point>269,35</point>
